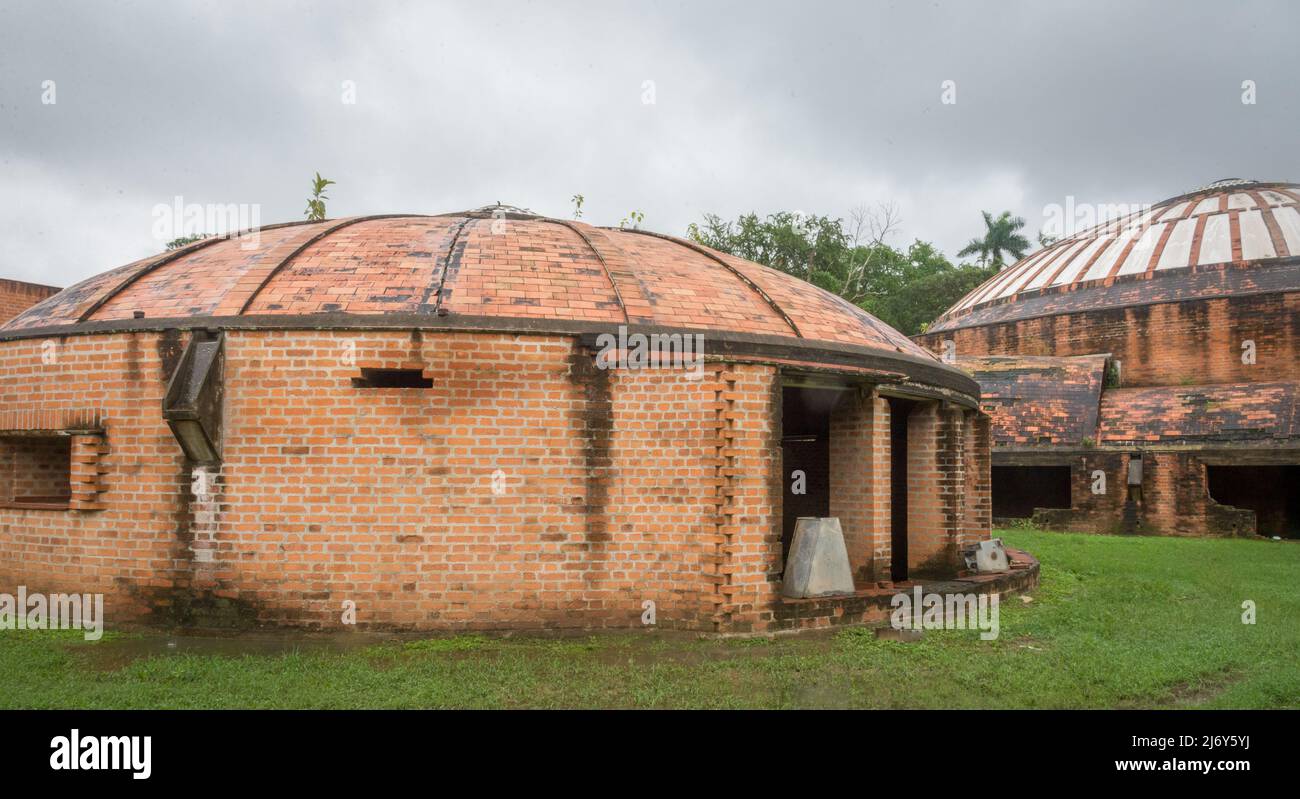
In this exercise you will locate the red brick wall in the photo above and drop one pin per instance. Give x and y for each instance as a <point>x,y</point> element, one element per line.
<point>612,488</point>
<point>1176,499</point>
<point>1088,511</point>
<point>16,297</point>
<point>1196,341</point>
<point>602,510</point>
<point>129,551</point>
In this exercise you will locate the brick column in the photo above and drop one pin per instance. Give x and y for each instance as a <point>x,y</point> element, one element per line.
<point>936,490</point>
<point>979,480</point>
<point>859,482</point>
<point>744,571</point>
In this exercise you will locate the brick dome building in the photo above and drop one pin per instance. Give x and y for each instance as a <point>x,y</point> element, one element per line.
<point>1144,375</point>
<point>422,418</point>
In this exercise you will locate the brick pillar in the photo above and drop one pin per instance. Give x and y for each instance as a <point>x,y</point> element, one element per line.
<point>747,564</point>
<point>979,480</point>
<point>880,479</point>
<point>936,490</point>
<point>859,482</point>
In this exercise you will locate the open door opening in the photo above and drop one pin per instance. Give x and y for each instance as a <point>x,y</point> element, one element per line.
<point>899,410</point>
<point>805,455</point>
<point>1018,490</point>
<point>1273,492</point>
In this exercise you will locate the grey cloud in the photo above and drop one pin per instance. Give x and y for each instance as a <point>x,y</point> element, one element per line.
<point>759,106</point>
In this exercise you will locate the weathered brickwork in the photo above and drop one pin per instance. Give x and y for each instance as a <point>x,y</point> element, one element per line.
<point>1194,341</point>
<point>1096,351</point>
<point>1242,413</point>
<point>1098,493</point>
<point>16,297</point>
<point>525,488</point>
<point>934,492</point>
<point>979,480</point>
<point>1036,401</point>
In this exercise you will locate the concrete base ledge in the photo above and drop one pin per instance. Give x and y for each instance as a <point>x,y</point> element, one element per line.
<point>872,606</point>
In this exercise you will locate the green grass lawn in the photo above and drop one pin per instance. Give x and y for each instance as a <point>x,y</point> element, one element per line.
<point>1117,622</point>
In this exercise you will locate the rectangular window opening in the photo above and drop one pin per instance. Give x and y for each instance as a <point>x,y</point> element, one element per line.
<point>1273,492</point>
<point>392,378</point>
<point>1018,491</point>
<point>36,472</point>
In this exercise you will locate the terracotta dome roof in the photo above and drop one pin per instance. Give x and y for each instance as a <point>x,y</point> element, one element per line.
<point>509,267</point>
<point>1188,246</point>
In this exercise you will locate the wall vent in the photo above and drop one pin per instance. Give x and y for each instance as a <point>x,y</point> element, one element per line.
<point>392,378</point>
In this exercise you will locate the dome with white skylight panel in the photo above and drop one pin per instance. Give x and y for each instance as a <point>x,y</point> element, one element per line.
<point>1230,237</point>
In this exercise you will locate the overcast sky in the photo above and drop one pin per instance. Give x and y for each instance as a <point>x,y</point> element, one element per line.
<point>810,106</point>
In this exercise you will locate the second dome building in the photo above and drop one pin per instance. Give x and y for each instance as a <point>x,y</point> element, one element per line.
<point>1144,375</point>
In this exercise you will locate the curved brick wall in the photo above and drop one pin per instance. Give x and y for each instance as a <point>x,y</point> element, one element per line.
<point>1167,344</point>
<point>511,483</point>
<point>619,487</point>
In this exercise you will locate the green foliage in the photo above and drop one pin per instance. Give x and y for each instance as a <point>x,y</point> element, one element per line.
<point>316,203</point>
<point>812,248</point>
<point>633,220</point>
<point>917,286</point>
<point>176,244</point>
<point>1111,377</point>
<point>905,289</point>
<point>577,201</point>
<point>1001,235</point>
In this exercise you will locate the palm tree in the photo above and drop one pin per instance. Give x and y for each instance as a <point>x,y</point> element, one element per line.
<point>999,236</point>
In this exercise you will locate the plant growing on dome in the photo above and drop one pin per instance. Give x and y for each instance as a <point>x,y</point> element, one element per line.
<point>1001,235</point>
<point>635,217</point>
<point>316,203</point>
<point>176,244</point>
<point>577,201</point>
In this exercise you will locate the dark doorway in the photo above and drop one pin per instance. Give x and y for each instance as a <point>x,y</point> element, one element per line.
<point>806,450</point>
<point>899,410</point>
<point>1273,492</point>
<point>1017,490</point>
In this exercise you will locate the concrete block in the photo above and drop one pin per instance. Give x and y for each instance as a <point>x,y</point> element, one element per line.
<point>991,557</point>
<point>819,562</point>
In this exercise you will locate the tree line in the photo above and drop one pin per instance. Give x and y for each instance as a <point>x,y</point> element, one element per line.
<point>905,288</point>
